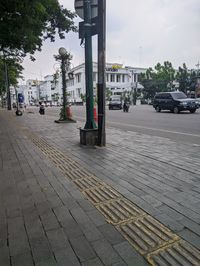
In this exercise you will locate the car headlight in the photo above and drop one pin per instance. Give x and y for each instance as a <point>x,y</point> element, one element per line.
<point>183,103</point>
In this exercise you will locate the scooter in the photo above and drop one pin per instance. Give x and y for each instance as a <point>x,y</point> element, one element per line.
<point>126,107</point>
<point>42,110</point>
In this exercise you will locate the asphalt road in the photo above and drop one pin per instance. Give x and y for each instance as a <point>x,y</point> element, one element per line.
<point>183,127</point>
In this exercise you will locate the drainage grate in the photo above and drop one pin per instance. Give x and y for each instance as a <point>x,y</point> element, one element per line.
<point>146,234</point>
<point>119,211</point>
<point>176,254</point>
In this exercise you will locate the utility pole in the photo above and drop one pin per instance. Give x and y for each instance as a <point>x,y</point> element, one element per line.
<point>93,14</point>
<point>132,86</point>
<point>90,123</point>
<point>198,65</point>
<point>101,72</point>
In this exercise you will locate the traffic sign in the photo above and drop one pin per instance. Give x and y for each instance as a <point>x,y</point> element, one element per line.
<point>79,7</point>
<point>20,98</point>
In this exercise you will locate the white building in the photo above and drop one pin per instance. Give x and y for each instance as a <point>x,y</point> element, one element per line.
<point>31,91</point>
<point>35,90</point>
<point>119,79</point>
<point>46,87</point>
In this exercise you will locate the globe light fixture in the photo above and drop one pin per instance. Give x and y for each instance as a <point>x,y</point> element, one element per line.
<point>62,51</point>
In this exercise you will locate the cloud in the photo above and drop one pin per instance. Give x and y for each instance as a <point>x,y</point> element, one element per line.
<point>139,33</point>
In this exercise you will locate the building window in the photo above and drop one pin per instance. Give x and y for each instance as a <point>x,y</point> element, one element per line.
<point>107,77</point>
<point>117,93</point>
<point>135,77</point>
<point>78,92</point>
<point>123,78</point>
<point>70,82</point>
<point>78,78</point>
<point>118,77</point>
<point>94,76</point>
<point>112,78</point>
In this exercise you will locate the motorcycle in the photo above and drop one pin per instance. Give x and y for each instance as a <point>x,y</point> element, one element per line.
<point>42,110</point>
<point>126,107</point>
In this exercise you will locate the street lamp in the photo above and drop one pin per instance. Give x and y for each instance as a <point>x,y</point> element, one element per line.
<point>65,58</point>
<point>133,89</point>
<point>63,54</point>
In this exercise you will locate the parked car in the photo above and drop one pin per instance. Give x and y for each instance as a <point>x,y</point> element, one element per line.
<point>175,102</point>
<point>115,103</point>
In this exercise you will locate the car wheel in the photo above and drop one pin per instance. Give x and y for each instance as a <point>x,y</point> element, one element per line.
<point>192,111</point>
<point>176,110</point>
<point>158,109</point>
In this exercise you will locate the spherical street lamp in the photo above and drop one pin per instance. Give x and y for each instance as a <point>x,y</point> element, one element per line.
<point>62,51</point>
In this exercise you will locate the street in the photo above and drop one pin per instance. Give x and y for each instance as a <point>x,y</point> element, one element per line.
<point>183,127</point>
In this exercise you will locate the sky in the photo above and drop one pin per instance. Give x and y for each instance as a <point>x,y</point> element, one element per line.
<point>138,33</point>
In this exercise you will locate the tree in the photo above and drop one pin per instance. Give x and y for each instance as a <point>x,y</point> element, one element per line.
<point>186,78</point>
<point>14,69</point>
<point>108,93</point>
<point>25,24</point>
<point>10,71</point>
<point>158,79</point>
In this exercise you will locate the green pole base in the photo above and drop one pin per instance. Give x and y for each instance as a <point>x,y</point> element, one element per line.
<point>90,125</point>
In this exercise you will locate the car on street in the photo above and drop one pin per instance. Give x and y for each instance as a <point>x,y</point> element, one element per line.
<point>115,103</point>
<point>198,101</point>
<point>175,102</point>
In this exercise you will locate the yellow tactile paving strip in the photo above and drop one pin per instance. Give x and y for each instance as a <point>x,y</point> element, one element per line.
<point>120,211</point>
<point>176,254</point>
<point>147,234</point>
<point>153,240</point>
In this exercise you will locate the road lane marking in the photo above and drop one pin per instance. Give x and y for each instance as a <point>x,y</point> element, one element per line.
<point>157,129</point>
<point>150,128</point>
<point>142,127</point>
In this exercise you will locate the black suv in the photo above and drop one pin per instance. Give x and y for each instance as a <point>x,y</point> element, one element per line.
<point>175,101</point>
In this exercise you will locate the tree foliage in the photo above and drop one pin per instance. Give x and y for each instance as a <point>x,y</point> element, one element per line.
<point>25,24</point>
<point>14,70</point>
<point>67,58</point>
<point>186,78</point>
<point>158,79</point>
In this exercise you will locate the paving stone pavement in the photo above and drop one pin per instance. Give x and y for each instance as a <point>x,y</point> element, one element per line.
<point>45,220</point>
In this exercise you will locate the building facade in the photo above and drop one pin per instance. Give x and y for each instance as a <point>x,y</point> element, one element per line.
<point>119,80</point>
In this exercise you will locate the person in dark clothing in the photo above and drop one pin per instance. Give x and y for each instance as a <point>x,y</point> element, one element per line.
<point>42,109</point>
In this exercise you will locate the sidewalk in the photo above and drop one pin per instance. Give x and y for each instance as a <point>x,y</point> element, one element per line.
<point>62,204</point>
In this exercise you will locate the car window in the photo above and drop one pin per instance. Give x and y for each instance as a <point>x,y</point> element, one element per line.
<point>179,95</point>
<point>168,96</point>
<point>159,96</point>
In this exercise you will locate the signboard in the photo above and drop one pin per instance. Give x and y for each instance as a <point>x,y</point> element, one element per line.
<point>94,28</point>
<point>79,7</point>
<point>111,69</point>
<point>20,98</point>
